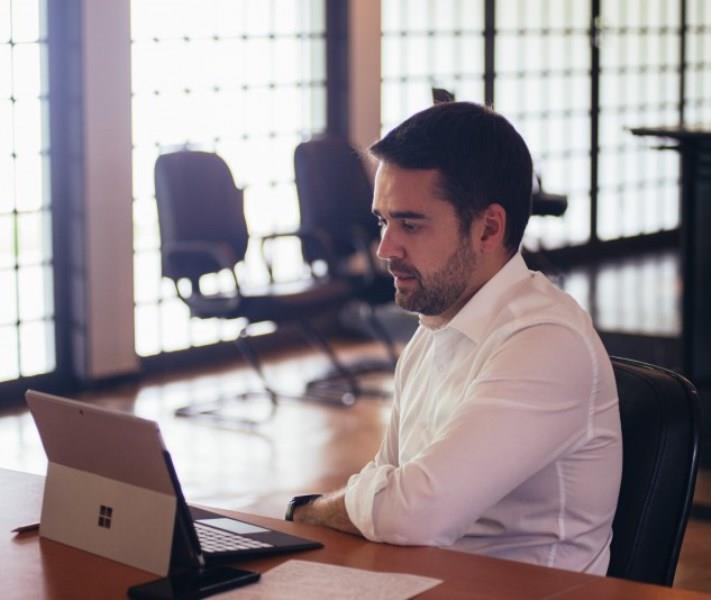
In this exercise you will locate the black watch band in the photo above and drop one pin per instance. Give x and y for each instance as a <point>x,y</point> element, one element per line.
<point>297,501</point>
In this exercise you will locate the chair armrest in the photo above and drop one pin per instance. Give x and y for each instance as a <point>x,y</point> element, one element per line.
<point>543,204</point>
<point>191,260</point>
<point>304,236</point>
<point>362,243</point>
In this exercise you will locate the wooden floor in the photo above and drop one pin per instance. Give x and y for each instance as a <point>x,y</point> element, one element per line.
<point>308,446</point>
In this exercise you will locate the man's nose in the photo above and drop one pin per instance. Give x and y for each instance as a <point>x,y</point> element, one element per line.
<point>389,247</point>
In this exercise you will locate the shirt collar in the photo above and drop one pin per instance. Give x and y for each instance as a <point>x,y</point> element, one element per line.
<point>473,318</point>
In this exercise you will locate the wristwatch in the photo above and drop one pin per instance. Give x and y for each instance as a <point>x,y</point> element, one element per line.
<point>297,501</point>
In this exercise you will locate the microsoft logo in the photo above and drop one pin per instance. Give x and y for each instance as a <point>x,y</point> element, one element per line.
<point>105,513</point>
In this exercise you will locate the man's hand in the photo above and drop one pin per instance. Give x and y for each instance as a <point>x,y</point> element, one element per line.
<point>328,511</point>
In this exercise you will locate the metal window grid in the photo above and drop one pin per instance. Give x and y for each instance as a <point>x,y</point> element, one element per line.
<point>26,265</point>
<point>573,77</point>
<point>639,75</point>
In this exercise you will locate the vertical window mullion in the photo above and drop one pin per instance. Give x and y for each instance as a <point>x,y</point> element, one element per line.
<point>596,31</point>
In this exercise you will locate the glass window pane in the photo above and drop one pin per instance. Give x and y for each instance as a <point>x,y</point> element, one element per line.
<point>29,184</point>
<point>35,285</point>
<point>147,275</point>
<point>26,288</point>
<point>697,107</point>
<point>175,323</point>
<point>147,329</point>
<point>204,331</point>
<point>36,347</point>
<point>5,67</point>
<point>26,71</point>
<point>33,240</point>
<point>426,44</point>
<point>8,306</point>
<point>25,20</point>
<point>542,86</point>
<point>638,86</point>
<point>8,254</point>
<point>9,365</point>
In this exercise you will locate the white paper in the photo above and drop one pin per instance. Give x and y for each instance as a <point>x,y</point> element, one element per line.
<point>300,579</point>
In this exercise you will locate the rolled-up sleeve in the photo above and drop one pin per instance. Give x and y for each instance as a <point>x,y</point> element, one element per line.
<point>363,487</point>
<point>529,404</point>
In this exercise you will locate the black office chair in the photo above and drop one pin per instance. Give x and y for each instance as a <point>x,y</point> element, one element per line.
<point>335,198</point>
<point>544,204</point>
<point>203,231</point>
<point>659,411</point>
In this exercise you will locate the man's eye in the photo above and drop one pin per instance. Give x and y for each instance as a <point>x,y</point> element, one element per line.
<point>409,226</point>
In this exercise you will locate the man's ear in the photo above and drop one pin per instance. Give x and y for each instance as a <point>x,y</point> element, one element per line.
<point>492,229</point>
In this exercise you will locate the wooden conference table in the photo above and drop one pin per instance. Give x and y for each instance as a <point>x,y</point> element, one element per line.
<point>31,567</point>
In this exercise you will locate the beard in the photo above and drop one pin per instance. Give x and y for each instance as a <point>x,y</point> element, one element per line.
<point>435,293</point>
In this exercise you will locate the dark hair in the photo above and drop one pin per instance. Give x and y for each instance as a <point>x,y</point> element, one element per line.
<point>481,159</point>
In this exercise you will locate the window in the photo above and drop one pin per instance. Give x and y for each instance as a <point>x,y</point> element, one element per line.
<point>542,85</point>
<point>245,79</point>
<point>425,44</point>
<point>26,284</point>
<point>639,85</point>
<point>545,80</point>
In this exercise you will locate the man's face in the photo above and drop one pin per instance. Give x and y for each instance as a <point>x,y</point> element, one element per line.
<point>431,260</point>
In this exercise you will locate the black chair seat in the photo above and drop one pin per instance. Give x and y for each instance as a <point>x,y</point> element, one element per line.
<point>276,302</point>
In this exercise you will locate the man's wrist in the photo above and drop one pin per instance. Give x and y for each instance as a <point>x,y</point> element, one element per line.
<point>299,501</point>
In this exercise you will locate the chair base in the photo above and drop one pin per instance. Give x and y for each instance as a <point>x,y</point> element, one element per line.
<point>333,388</point>
<point>337,393</point>
<point>218,410</point>
<point>350,388</point>
<point>338,387</point>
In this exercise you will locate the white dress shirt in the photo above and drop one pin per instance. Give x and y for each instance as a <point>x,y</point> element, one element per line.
<point>504,437</point>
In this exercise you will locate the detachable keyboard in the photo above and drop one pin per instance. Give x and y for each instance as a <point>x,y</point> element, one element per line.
<point>217,540</point>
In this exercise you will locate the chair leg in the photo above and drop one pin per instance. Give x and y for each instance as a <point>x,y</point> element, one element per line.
<point>352,390</point>
<point>382,333</point>
<point>214,410</point>
<point>242,343</point>
<point>376,330</point>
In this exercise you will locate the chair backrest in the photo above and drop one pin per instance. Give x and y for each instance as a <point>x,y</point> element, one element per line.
<point>335,194</point>
<point>660,419</point>
<point>197,202</point>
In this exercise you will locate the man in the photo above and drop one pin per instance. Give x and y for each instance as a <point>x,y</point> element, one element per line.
<point>504,437</point>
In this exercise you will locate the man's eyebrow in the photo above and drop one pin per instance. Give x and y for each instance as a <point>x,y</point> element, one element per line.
<point>403,214</point>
